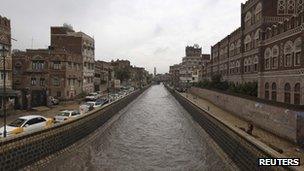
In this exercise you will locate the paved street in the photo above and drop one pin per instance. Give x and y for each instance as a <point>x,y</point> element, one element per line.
<point>47,113</point>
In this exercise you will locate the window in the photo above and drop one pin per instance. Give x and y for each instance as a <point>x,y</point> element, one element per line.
<point>274,92</point>
<point>267,56</point>
<point>297,94</point>
<point>38,65</point>
<point>42,82</point>
<point>275,57</point>
<point>288,50</point>
<point>267,91</point>
<point>258,12</point>
<point>247,43</point>
<point>33,81</point>
<point>298,49</point>
<point>257,37</point>
<point>248,19</point>
<point>57,65</point>
<point>287,90</point>
<point>56,81</point>
<point>281,7</point>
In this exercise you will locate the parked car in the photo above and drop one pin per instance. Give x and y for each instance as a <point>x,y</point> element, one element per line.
<point>54,101</point>
<point>92,97</point>
<point>30,123</point>
<point>89,106</point>
<point>66,115</point>
<point>96,104</point>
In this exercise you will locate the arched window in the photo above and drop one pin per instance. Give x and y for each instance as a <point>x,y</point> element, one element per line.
<point>247,42</point>
<point>281,7</point>
<point>248,19</point>
<point>275,57</point>
<point>274,92</point>
<point>298,49</point>
<point>297,94</point>
<point>287,90</point>
<point>257,37</point>
<point>288,51</point>
<point>267,56</point>
<point>258,12</point>
<point>267,91</point>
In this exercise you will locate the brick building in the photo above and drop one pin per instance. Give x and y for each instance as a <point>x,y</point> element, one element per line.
<point>104,74</point>
<point>65,38</point>
<point>41,73</point>
<point>5,44</point>
<point>266,49</point>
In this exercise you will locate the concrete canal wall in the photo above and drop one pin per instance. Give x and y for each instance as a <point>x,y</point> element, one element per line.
<point>277,119</point>
<point>23,150</point>
<point>239,146</point>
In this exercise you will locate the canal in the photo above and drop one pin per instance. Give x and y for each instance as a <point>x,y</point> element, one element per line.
<point>153,133</point>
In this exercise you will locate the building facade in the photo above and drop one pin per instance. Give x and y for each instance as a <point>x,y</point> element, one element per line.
<point>104,75</point>
<point>65,38</point>
<point>41,73</point>
<point>266,48</point>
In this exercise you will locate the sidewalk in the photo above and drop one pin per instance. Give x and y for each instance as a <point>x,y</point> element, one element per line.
<point>288,149</point>
<point>49,113</point>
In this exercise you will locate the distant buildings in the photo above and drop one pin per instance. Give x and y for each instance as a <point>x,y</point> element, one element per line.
<point>190,69</point>
<point>104,76</point>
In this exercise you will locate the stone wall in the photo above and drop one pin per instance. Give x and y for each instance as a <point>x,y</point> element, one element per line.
<point>286,123</point>
<point>239,146</point>
<point>21,151</point>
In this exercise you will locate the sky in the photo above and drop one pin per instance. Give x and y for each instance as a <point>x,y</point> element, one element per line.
<point>149,33</point>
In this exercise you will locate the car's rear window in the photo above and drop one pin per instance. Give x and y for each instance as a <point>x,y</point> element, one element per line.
<point>64,114</point>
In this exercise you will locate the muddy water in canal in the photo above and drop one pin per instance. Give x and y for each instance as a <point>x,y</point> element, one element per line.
<point>152,133</point>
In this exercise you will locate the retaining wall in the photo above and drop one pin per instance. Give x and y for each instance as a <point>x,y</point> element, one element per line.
<point>19,152</point>
<point>236,145</point>
<point>286,123</point>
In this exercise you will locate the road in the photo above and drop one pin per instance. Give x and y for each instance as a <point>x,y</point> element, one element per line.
<point>153,133</point>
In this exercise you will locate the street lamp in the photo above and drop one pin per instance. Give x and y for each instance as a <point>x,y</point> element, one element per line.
<point>4,51</point>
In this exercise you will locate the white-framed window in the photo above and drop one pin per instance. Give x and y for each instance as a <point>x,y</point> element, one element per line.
<point>298,50</point>
<point>288,52</point>
<point>258,12</point>
<point>267,56</point>
<point>275,57</point>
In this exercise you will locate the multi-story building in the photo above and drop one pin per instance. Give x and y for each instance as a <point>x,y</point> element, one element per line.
<point>104,74</point>
<point>41,73</point>
<point>193,62</point>
<point>174,74</point>
<point>5,45</point>
<point>266,49</point>
<point>65,38</point>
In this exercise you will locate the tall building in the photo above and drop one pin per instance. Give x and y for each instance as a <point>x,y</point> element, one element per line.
<point>104,75</point>
<point>266,48</point>
<point>65,38</point>
<point>192,63</point>
<point>5,43</point>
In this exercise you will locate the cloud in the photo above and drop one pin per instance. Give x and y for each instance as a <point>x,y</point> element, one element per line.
<point>148,33</point>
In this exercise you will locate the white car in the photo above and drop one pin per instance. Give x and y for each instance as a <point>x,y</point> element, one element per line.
<point>29,123</point>
<point>95,104</point>
<point>66,115</point>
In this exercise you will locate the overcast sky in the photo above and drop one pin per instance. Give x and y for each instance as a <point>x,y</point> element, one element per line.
<point>149,33</point>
